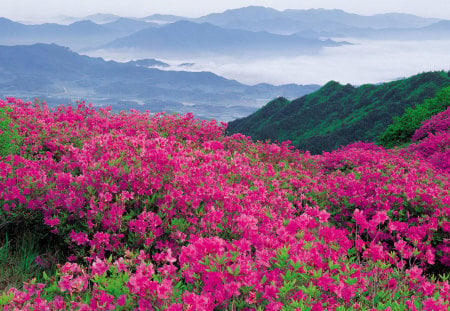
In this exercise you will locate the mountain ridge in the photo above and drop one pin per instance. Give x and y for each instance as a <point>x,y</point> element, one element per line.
<point>203,38</point>
<point>295,20</point>
<point>338,114</point>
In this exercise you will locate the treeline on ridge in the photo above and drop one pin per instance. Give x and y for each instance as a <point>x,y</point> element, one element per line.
<point>337,115</point>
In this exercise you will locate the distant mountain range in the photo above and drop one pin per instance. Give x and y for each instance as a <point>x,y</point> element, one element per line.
<point>339,114</point>
<point>436,31</point>
<point>317,23</point>
<point>58,75</point>
<point>190,38</point>
<point>251,29</point>
<point>257,18</point>
<point>79,35</point>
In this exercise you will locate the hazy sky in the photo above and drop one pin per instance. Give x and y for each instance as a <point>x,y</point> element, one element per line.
<point>44,9</point>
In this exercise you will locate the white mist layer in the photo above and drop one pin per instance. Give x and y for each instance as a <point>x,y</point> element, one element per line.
<point>367,61</point>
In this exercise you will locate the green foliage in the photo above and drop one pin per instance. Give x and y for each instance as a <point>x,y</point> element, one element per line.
<point>6,298</point>
<point>24,241</point>
<point>9,138</point>
<point>339,114</point>
<point>18,253</point>
<point>402,129</point>
<point>374,296</point>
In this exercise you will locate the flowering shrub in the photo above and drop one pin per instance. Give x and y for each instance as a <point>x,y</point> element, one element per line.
<point>433,140</point>
<point>438,123</point>
<point>166,213</point>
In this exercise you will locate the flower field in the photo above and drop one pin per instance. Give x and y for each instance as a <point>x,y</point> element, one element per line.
<point>165,212</point>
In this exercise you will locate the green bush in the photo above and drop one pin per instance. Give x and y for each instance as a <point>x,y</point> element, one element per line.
<point>10,140</point>
<point>399,133</point>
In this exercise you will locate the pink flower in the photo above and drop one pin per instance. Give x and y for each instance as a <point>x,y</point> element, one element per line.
<point>102,301</point>
<point>361,221</point>
<point>107,197</point>
<point>415,273</point>
<point>324,216</point>
<point>52,222</point>
<point>430,256</point>
<point>80,238</point>
<point>121,300</point>
<point>59,303</point>
<point>121,265</point>
<point>175,307</point>
<point>164,290</point>
<point>71,268</point>
<point>274,306</point>
<point>375,252</point>
<point>233,288</point>
<point>247,223</point>
<point>202,302</point>
<point>392,284</point>
<point>99,267</point>
<point>169,258</point>
<point>251,299</point>
<point>428,288</point>
<point>127,196</point>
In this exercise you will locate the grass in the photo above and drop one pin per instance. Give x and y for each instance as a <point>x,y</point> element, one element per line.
<point>19,248</point>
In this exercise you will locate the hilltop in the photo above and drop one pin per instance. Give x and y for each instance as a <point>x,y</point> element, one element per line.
<point>338,114</point>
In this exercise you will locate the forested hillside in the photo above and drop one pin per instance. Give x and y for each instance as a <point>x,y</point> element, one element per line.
<point>401,131</point>
<point>339,114</point>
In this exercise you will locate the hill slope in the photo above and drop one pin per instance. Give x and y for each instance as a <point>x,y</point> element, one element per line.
<point>401,131</point>
<point>339,114</point>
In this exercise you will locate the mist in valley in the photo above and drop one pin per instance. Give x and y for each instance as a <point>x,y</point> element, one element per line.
<point>363,61</point>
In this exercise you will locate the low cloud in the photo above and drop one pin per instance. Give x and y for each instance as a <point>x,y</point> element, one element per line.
<point>366,61</point>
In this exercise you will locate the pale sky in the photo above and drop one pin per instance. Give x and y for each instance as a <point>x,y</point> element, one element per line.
<point>45,9</point>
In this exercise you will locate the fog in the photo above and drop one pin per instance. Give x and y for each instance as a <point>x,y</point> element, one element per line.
<point>366,61</point>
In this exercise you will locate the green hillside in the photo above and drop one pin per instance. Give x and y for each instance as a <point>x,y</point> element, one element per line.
<point>402,129</point>
<point>339,114</point>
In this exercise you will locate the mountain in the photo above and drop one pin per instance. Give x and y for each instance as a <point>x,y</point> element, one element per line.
<point>439,26</point>
<point>148,63</point>
<point>59,75</point>
<point>436,31</point>
<point>79,35</point>
<point>101,18</point>
<point>255,18</point>
<point>128,25</point>
<point>163,18</point>
<point>9,28</point>
<point>251,31</point>
<point>189,38</point>
<point>338,114</point>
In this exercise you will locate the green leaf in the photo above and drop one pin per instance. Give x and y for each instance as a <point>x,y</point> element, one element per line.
<point>237,270</point>
<point>351,281</point>
<point>263,280</point>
